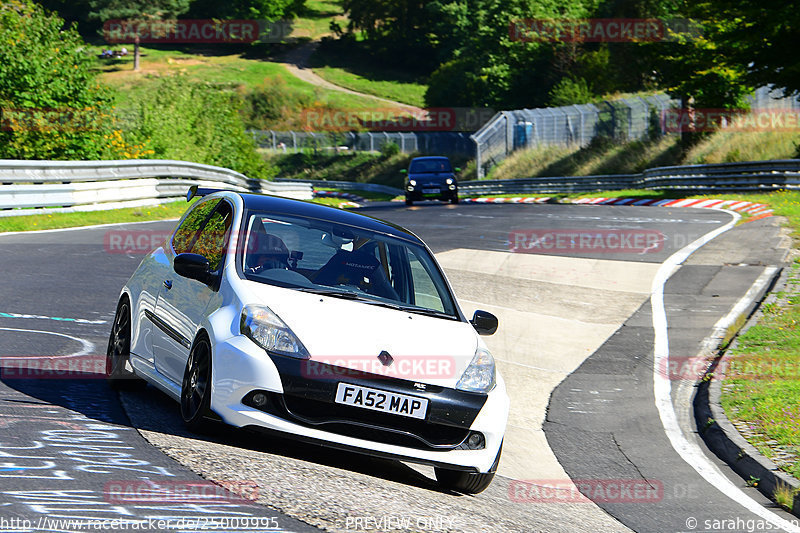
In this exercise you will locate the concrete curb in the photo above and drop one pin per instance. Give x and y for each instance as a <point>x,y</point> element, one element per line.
<point>718,432</point>
<point>515,200</point>
<point>752,208</point>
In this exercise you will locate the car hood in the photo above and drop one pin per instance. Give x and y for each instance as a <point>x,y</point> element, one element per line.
<point>352,334</point>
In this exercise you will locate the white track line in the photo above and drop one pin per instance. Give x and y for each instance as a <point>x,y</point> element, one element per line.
<point>662,390</point>
<point>88,346</point>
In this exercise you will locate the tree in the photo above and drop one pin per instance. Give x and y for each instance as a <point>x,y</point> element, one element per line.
<point>271,10</point>
<point>701,68</point>
<point>135,12</point>
<point>51,106</point>
<point>762,38</point>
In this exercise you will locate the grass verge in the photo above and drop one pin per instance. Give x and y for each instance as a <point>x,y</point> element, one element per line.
<point>364,82</point>
<point>92,218</point>
<point>315,20</point>
<point>345,64</point>
<point>761,391</point>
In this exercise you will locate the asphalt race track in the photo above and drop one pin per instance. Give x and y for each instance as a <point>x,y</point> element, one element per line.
<point>576,346</point>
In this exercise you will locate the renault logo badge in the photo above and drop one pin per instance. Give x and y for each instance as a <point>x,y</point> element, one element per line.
<point>385,358</point>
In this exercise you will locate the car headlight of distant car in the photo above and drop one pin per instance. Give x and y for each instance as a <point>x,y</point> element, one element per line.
<point>449,181</point>
<point>480,374</point>
<point>266,329</point>
<point>412,183</point>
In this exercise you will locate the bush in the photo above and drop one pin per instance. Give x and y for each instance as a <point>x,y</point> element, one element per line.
<point>51,105</point>
<point>271,102</point>
<point>389,149</point>
<point>570,91</point>
<point>196,122</point>
<point>455,83</point>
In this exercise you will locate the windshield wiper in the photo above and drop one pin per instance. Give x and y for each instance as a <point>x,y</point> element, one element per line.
<point>330,292</point>
<point>355,296</point>
<point>427,312</point>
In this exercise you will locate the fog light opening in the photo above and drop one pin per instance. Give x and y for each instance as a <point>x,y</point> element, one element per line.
<point>476,441</point>
<point>259,399</point>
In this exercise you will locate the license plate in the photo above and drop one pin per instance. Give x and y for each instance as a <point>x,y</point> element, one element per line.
<point>379,400</point>
<point>430,191</point>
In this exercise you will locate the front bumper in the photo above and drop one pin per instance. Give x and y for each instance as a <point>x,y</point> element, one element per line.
<point>431,192</point>
<point>300,404</point>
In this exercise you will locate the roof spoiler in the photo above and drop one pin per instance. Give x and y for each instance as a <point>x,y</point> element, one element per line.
<point>197,192</point>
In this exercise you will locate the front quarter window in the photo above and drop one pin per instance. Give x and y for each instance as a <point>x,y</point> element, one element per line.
<point>204,231</point>
<point>187,233</point>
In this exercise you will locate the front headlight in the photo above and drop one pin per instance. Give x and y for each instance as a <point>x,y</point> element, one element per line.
<point>449,181</point>
<point>413,183</point>
<point>480,374</point>
<point>266,329</point>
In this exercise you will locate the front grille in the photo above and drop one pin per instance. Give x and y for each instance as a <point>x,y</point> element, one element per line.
<point>362,423</point>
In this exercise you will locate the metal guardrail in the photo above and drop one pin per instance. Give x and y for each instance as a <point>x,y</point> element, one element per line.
<point>347,186</point>
<point>58,186</point>
<point>548,185</point>
<point>724,177</point>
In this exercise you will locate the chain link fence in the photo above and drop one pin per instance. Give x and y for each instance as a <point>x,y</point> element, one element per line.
<point>626,119</point>
<point>576,125</point>
<point>438,143</point>
<point>769,98</point>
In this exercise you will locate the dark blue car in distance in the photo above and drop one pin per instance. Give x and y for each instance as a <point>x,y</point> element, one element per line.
<point>431,178</point>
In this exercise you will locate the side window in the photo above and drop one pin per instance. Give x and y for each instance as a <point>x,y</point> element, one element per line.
<point>187,233</point>
<point>211,241</point>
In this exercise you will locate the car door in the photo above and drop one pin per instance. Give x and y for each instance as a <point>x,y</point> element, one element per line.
<point>183,302</point>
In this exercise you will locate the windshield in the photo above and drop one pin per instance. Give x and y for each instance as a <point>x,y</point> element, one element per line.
<point>342,261</point>
<point>426,166</point>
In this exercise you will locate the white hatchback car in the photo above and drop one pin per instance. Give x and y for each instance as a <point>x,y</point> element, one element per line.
<point>318,324</point>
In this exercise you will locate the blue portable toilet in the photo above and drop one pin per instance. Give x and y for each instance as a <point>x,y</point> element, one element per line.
<point>523,134</point>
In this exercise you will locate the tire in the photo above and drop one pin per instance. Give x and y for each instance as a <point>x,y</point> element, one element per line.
<point>409,201</point>
<point>467,482</point>
<point>454,199</point>
<point>118,352</point>
<point>196,386</point>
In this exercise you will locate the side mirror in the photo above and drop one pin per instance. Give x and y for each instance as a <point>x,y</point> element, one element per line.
<point>403,171</point>
<point>194,266</point>
<point>484,322</point>
<point>457,169</point>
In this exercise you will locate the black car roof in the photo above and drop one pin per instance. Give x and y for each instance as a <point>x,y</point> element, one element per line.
<point>430,157</point>
<point>300,208</point>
